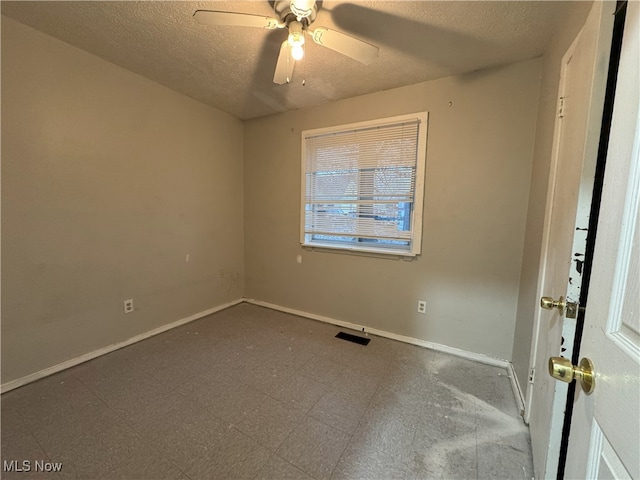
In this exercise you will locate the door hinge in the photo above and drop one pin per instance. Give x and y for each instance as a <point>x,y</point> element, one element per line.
<point>560,107</point>
<point>532,374</point>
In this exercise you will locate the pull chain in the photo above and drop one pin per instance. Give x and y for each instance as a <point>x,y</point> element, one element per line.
<point>304,71</point>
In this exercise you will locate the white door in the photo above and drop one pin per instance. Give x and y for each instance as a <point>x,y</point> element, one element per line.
<point>605,433</point>
<point>576,137</point>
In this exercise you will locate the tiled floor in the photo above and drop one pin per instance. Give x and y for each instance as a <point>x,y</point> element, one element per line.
<point>251,393</point>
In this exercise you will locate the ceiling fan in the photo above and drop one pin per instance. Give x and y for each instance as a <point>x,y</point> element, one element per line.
<point>297,16</point>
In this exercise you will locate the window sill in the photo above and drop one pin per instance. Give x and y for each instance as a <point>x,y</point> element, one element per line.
<point>352,250</point>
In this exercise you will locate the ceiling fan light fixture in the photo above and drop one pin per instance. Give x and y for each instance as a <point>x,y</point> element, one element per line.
<point>296,34</point>
<point>297,52</point>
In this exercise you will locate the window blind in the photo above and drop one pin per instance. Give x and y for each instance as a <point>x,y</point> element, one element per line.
<point>360,185</point>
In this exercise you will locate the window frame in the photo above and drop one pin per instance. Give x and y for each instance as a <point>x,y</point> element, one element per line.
<point>415,239</point>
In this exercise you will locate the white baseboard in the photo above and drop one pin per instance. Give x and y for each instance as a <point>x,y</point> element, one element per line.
<point>517,391</point>
<point>478,357</point>
<point>116,346</point>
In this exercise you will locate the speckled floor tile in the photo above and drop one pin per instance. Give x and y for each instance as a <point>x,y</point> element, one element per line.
<point>356,464</point>
<point>315,448</point>
<point>268,421</point>
<point>322,369</point>
<point>19,446</point>
<point>341,410</point>
<point>279,469</point>
<point>301,392</point>
<point>237,457</point>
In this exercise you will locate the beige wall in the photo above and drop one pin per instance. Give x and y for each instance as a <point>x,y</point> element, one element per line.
<point>575,15</point>
<point>108,181</point>
<point>479,159</point>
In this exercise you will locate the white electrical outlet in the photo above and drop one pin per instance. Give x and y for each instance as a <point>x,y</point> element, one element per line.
<point>422,306</point>
<point>128,306</point>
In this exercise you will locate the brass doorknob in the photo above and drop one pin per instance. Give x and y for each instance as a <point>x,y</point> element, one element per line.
<point>549,303</point>
<point>562,369</point>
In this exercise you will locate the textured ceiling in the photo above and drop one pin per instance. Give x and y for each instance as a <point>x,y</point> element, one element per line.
<point>231,68</point>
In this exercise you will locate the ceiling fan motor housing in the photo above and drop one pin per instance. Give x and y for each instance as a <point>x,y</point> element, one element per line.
<point>305,11</point>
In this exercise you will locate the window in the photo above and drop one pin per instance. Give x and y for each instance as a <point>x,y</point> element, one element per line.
<point>362,185</point>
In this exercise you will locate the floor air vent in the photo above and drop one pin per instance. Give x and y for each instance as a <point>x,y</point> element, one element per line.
<point>353,338</point>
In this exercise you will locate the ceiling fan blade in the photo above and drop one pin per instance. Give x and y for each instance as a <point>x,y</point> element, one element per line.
<point>213,17</point>
<point>284,67</point>
<point>350,46</point>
